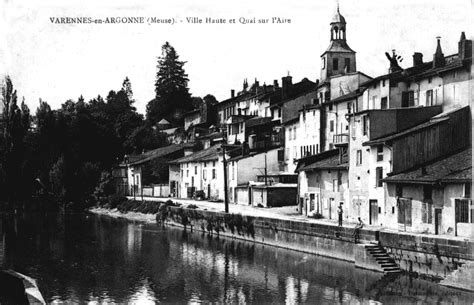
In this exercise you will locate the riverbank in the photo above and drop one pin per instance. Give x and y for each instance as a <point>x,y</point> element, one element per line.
<point>440,258</point>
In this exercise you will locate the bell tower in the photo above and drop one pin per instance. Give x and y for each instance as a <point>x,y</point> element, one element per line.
<point>339,58</point>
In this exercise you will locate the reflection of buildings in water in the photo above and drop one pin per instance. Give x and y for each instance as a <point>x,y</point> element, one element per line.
<point>296,290</point>
<point>133,239</point>
<point>144,294</point>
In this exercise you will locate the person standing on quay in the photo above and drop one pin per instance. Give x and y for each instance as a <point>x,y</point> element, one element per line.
<point>339,212</point>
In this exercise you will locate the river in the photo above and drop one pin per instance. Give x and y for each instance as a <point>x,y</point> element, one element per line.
<point>80,258</point>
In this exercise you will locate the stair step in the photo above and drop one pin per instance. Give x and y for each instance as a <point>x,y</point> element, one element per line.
<point>391,268</point>
<point>376,252</point>
<point>392,271</point>
<point>389,265</point>
<point>380,255</point>
<point>386,260</point>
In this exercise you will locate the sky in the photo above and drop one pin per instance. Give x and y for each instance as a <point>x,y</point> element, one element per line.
<point>57,62</point>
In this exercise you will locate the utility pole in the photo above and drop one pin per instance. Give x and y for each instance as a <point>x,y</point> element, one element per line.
<point>265,168</point>
<point>226,198</point>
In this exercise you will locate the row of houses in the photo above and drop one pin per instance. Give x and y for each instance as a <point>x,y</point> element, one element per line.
<point>394,150</point>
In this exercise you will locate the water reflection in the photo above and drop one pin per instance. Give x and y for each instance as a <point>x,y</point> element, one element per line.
<point>80,259</point>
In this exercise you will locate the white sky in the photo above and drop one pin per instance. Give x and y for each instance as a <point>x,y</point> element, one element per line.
<point>57,62</point>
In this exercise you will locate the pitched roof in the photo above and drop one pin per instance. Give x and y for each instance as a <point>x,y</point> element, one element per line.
<point>163,122</point>
<point>157,153</point>
<point>257,121</point>
<point>456,168</point>
<point>325,160</point>
<point>437,119</point>
<point>346,97</point>
<point>339,46</point>
<point>251,154</point>
<point>423,70</point>
<point>295,90</point>
<point>209,154</point>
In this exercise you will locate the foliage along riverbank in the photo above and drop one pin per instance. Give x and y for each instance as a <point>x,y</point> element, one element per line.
<point>169,211</point>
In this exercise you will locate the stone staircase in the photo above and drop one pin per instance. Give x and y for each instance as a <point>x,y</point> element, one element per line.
<point>386,263</point>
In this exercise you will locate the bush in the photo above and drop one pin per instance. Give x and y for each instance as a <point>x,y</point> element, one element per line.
<point>316,216</point>
<point>192,206</point>
<point>116,200</point>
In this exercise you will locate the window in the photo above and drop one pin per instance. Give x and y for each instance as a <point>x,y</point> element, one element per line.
<point>365,125</point>
<point>281,155</point>
<point>294,133</point>
<point>331,126</point>
<point>349,107</point>
<point>359,157</point>
<point>399,190</point>
<point>182,174</point>
<point>323,63</point>
<point>429,98</point>
<point>330,107</point>
<point>374,101</point>
<point>213,174</point>
<point>195,170</point>
<point>427,193</point>
<point>380,153</point>
<point>279,112</point>
<point>462,209</point>
<point>384,103</point>
<point>408,99</point>
<point>204,174</point>
<point>335,185</point>
<point>295,152</point>
<point>335,64</point>
<point>187,173</point>
<point>287,154</point>
<point>378,177</point>
<point>383,83</point>
<point>347,63</point>
<point>213,163</point>
<point>289,133</point>
<point>467,190</point>
<point>429,80</point>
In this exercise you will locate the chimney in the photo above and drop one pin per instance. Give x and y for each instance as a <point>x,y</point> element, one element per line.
<point>438,56</point>
<point>417,59</point>
<point>464,47</point>
<point>275,84</point>
<point>286,84</point>
<point>232,93</point>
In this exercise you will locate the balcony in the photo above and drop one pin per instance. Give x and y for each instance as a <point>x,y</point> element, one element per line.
<point>341,139</point>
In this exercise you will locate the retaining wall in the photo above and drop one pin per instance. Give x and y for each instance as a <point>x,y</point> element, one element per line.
<point>433,256</point>
<point>322,239</point>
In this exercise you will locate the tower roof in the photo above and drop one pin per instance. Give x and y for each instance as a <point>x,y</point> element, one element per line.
<point>339,46</point>
<point>338,18</point>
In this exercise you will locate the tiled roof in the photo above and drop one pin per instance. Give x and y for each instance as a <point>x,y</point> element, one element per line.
<point>209,154</point>
<point>157,153</point>
<point>325,160</point>
<point>424,70</point>
<point>452,169</point>
<point>437,119</point>
<point>251,154</point>
<point>297,89</point>
<point>257,121</point>
<point>339,46</point>
<point>347,96</point>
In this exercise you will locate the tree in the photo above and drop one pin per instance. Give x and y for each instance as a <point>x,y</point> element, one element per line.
<point>172,97</point>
